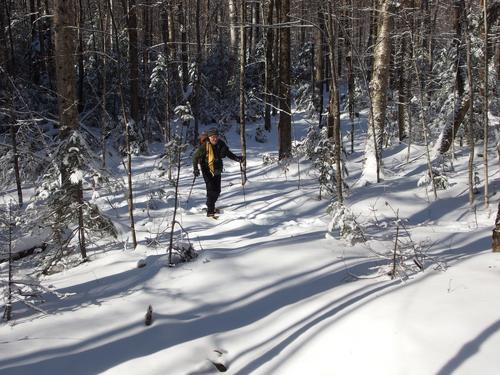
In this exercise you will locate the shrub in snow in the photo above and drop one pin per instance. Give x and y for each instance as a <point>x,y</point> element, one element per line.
<point>269,158</point>
<point>440,180</point>
<point>157,198</point>
<point>343,224</point>
<point>183,251</point>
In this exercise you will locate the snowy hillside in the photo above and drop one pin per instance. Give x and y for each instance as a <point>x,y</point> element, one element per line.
<point>271,291</point>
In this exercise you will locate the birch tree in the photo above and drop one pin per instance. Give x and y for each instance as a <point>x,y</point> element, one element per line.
<point>378,94</point>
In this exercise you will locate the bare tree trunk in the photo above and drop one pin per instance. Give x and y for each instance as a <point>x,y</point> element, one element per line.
<point>15,157</point>
<point>103,23</point>
<point>350,72</point>
<point>172,55</point>
<point>35,60</point>
<point>81,70</point>
<point>233,20</point>
<point>130,195</point>
<point>8,306</point>
<point>269,65</point>
<point>243,47</point>
<point>402,99</point>
<point>65,43</point>
<point>184,47</point>
<point>65,20</point>
<point>496,233</point>
<point>4,52</point>
<point>133,60</point>
<point>197,85</point>
<point>333,105</point>
<point>319,66</point>
<point>472,142</point>
<point>379,84</point>
<point>372,33</point>
<point>285,120</point>
<point>6,78</point>
<point>276,59</point>
<point>486,106</point>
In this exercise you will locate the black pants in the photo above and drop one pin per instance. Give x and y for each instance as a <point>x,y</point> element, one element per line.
<point>213,190</point>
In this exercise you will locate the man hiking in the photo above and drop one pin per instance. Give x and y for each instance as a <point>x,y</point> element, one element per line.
<point>209,156</point>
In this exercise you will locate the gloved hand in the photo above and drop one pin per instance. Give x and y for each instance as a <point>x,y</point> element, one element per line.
<point>196,172</point>
<point>241,159</point>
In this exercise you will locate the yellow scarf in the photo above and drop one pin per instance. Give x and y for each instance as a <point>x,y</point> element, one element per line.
<point>210,157</point>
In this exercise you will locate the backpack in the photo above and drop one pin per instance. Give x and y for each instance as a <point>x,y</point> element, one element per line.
<point>202,138</point>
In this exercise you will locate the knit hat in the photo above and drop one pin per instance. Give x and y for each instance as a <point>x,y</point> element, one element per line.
<point>212,131</point>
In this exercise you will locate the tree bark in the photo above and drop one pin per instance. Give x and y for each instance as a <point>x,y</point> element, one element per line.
<point>486,105</point>
<point>285,120</point>
<point>133,60</point>
<point>233,20</point>
<point>184,47</point>
<point>268,78</point>
<point>379,84</point>
<point>243,47</point>
<point>496,233</point>
<point>81,69</point>
<point>65,21</point>
<point>333,105</point>
<point>319,66</point>
<point>65,44</point>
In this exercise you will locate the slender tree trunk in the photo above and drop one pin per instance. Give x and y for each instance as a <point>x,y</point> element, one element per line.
<point>184,47</point>
<point>4,52</point>
<point>243,47</point>
<point>285,120</point>
<point>172,55</point>
<point>81,70</point>
<point>6,79</point>
<point>350,72</point>
<point>372,33</point>
<point>333,105</point>
<point>35,58</point>
<point>319,67</point>
<point>197,88</point>
<point>7,314</point>
<point>269,65</point>
<point>130,195</point>
<point>379,85</point>
<point>133,57</point>
<point>65,21</point>
<point>15,157</point>
<point>233,20</point>
<point>65,43</point>
<point>104,43</point>
<point>486,106</point>
<point>276,59</point>
<point>496,233</point>
<point>472,142</point>
<point>402,100</point>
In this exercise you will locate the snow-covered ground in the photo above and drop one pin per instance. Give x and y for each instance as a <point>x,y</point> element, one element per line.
<point>270,292</point>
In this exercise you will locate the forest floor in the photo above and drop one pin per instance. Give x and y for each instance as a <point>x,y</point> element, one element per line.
<point>271,291</point>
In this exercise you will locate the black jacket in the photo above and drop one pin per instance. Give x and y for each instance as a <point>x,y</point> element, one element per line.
<point>220,151</point>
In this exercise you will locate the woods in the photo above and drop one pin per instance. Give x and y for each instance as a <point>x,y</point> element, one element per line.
<point>87,85</point>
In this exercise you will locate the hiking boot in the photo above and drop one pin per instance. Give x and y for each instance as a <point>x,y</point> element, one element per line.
<point>210,214</point>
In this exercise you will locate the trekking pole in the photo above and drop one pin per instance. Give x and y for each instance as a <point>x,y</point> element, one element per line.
<point>243,181</point>
<point>191,190</point>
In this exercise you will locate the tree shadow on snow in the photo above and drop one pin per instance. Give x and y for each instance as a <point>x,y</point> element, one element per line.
<point>103,351</point>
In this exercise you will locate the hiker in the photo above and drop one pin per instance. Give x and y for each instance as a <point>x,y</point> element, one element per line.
<point>209,155</point>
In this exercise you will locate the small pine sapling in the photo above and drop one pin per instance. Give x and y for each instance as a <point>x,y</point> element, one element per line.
<point>343,224</point>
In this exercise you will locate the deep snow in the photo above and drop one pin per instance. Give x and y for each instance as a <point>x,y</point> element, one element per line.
<point>270,290</point>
